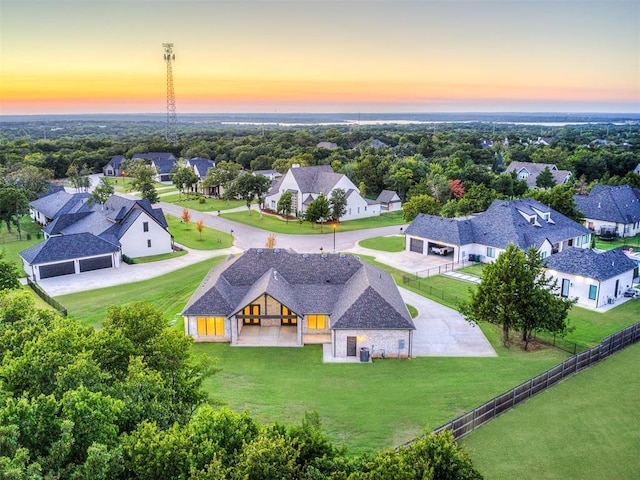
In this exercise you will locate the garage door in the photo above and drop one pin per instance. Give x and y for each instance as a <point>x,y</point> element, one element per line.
<point>416,245</point>
<point>97,263</point>
<point>57,269</point>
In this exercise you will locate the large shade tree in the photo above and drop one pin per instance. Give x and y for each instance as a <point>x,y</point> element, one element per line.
<point>515,294</point>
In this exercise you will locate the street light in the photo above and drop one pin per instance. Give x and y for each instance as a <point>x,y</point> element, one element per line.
<point>335,226</point>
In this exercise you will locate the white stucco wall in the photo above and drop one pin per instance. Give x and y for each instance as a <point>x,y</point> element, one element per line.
<point>357,207</point>
<point>579,287</point>
<point>376,341</point>
<point>134,241</point>
<point>623,230</point>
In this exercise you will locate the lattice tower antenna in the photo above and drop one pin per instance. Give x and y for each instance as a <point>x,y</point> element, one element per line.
<point>171,132</point>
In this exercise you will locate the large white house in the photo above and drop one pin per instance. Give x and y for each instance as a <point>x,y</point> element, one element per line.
<point>482,237</point>
<point>307,183</point>
<point>82,236</point>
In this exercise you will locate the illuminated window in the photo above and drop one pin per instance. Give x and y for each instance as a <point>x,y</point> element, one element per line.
<point>251,312</point>
<point>284,311</point>
<point>317,322</point>
<point>210,326</point>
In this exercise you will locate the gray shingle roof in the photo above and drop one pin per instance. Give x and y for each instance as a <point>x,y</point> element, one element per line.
<point>446,230</point>
<point>201,166</point>
<point>590,264</point>
<point>155,156</point>
<point>502,223</point>
<point>61,202</point>
<point>534,169</point>
<point>67,247</point>
<point>109,221</point>
<point>387,196</point>
<point>318,179</point>
<point>354,293</point>
<point>116,161</point>
<point>620,204</point>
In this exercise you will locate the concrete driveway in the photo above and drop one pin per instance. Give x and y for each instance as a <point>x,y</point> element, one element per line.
<point>443,332</point>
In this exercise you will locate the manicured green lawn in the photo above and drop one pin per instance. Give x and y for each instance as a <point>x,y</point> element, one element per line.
<point>585,427</point>
<point>157,258</point>
<point>169,293</point>
<point>618,242</point>
<point>445,290</point>
<point>592,327</point>
<point>276,224</point>
<point>187,235</point>
<point>475,269</point>
<point>363,406</point>
<point>391,243</point>
<point>11,245</point>
<point>209,205</point>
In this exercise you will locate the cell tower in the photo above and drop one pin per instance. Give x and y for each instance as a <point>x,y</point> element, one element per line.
<point>172,121</point>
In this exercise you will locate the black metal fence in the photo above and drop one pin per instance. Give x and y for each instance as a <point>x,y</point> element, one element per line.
<point>465,424</point>
<point>44,296</point>
<point>418,283</point>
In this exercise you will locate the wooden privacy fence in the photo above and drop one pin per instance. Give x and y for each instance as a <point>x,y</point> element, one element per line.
<point>467,423</point>
<point>44,296</point>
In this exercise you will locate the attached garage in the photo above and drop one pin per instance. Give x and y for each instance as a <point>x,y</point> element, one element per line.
<point>57,269</point>
<point>97,263</point>
<point>68,254</point>
<point>416,245</point>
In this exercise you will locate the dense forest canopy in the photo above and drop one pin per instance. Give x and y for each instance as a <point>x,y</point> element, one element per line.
<point>457,166</point>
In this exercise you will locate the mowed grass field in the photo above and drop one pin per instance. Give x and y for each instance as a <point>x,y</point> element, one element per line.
<point>168,292</point>
<point>586,427</point>
<point>365,407</point>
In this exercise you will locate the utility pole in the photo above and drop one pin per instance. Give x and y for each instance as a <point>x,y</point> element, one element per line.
<point>171,132</point>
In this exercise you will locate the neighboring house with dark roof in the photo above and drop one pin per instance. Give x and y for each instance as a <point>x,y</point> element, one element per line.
<point>389,201</point>
<point>595,279</point>
<point>529,171</point>
<point>85,237</point>
<point>311,298</point>
<point>307,183</point>
<point>162,162</point>
<point>48,207</point>
<point>69,254</point>
<point>482,237</point>
<point>611,210</point>
<point>200,167</point>
<point>637,169</point>
<point>114,167</point>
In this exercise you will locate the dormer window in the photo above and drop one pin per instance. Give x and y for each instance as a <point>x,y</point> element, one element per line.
<point>532,220</point>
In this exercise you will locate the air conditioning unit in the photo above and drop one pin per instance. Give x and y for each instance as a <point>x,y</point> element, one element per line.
<point>610,301</point>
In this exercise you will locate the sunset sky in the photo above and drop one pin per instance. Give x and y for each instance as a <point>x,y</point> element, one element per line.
<point>102,56</point>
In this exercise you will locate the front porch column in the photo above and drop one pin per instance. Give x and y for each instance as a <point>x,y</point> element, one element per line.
<point>234,330</point>
<point>299,330</point>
